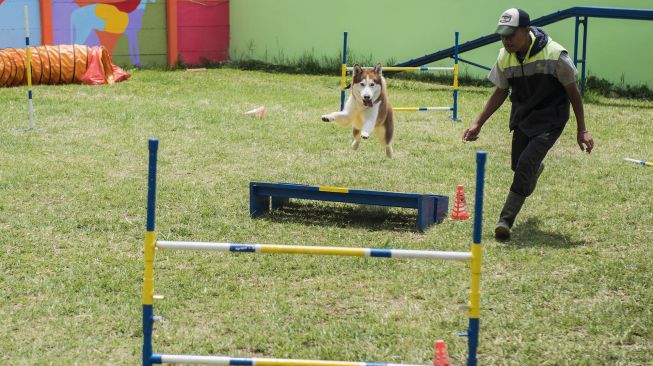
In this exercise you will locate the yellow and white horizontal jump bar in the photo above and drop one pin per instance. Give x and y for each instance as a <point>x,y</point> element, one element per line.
<point>233,361</point>
<point>640,162</point>
<point>317,250</point>
<point>409,68</point>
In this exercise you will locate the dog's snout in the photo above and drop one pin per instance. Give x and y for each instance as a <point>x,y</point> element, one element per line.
<point>367,97</point>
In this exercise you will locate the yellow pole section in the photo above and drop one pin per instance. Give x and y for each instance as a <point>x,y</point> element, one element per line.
<point>285,362</point>
<point>475,288</point>
<point>343,78</point>
<point>299,249</point>
<point>455,76</point>
<point>148,273</point>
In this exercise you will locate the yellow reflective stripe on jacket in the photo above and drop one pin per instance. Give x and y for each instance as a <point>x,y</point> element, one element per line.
<point>550,52</point>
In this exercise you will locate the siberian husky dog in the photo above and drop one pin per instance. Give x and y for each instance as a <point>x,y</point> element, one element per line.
<point>368,108</point>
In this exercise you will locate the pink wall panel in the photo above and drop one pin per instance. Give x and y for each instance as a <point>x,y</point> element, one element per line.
<point>203,31</point>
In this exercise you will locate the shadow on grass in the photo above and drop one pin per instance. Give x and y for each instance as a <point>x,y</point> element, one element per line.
<point>371,218</point>
<point>528,234</point>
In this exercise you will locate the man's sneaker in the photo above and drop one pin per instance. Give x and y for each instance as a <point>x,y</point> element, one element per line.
<point>502,231</point>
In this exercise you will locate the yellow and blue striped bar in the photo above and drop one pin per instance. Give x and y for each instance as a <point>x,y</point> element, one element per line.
<point>236,361</point>
<point>640,162</point>
<point>315,250</point>
<point>411,68</point>
<point>421,109</point>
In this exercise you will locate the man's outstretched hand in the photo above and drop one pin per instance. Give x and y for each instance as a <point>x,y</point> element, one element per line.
<point>471,133</point>
<point>585,141</point>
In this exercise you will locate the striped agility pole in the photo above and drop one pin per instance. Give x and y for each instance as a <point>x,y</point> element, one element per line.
<point>314,250</point>
<point>150,245</point>
<point>475,268</point>
<point>29,71</point>
<point>237,361</point>
<point>343,71</point>
<point>454,117</point>
<point>640,162</point>
<point>149,248</point>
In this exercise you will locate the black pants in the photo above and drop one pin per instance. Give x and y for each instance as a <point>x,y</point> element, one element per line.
<point>527,155</point>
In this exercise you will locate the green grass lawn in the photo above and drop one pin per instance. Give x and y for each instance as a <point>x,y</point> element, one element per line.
<point>574,286</point>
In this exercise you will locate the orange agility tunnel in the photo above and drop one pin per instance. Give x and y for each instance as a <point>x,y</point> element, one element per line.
<point>63,64</point>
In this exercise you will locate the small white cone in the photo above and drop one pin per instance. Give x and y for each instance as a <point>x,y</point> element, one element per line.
<point>257,112</point>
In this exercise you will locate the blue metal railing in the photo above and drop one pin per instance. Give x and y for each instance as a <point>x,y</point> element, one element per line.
<point>577,12</point>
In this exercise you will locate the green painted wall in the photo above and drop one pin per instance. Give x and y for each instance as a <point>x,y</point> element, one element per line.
<point>401,30</point>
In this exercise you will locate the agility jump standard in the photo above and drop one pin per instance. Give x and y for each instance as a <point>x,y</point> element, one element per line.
<point>151,244</point>
<point>454,108</point>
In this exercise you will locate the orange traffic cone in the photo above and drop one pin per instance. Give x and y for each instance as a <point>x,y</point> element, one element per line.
<point>258,112</point>
<point>441,357</point>
<point>460,212</point>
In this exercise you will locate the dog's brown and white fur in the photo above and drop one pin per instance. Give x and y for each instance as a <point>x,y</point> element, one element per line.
<point>368,108</point>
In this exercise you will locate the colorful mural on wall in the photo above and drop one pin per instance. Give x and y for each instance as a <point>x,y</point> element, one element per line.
<point>136,32</point>
<point>100,22</point>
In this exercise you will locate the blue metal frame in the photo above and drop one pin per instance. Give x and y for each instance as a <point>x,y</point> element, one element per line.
<point>576,60</point>
<point>473,64</point>
<point>430,208</point>
<point>578,11</point>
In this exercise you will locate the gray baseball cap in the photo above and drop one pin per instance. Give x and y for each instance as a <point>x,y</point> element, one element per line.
<point>512,19</point>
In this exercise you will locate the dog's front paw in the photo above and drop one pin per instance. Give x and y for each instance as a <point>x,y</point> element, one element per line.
<point>327,118</point>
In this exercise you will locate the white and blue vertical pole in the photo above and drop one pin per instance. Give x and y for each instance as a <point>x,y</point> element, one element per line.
<point>149,248</point>
<point>343,72</point>
<point>29,71</point>
<point>475,287</point>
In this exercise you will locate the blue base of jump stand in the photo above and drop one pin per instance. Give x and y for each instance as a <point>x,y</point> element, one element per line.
<point>430,208</point>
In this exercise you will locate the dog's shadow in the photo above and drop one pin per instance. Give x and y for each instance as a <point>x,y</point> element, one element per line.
<point>371,218</point>
<point>529,234</point>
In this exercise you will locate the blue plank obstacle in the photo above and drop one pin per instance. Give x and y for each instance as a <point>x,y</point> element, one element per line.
<point>431,208</point>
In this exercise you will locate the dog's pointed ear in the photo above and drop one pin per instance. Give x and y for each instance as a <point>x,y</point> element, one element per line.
<point>378,69</point>
<point>357,70</point>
